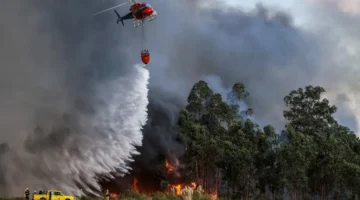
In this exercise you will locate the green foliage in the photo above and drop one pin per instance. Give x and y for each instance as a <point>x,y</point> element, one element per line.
<point>158,196</point>
<point>318,156</point>
<point>294,156</point>
<point>307,112</point>
<point>197,196</point>
<point>131,194</point>
<point>164,196</point>
<point>198,96</point>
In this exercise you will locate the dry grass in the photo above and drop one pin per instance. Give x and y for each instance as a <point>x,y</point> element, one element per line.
<point>132,195</point>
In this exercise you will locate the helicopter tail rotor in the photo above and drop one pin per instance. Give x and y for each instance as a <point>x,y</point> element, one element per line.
<point>112,8</point>
<point>120,19</point>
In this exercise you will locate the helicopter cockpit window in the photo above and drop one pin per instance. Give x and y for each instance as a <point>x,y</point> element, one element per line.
<point>148,5</point>
<point>142,6</point>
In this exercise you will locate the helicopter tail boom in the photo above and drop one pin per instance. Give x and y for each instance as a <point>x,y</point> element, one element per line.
<point>120,19</point>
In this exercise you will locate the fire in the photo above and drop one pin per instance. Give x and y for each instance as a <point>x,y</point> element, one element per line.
<point>169,167</point>
<point>136,189</point>
<point>213,196</point>
<point>113,195</point>
<point>193,185</point>
<point>173,169</point>
<point>178,187</point>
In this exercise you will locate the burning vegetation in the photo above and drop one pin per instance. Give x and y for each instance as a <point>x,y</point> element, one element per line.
<point>176,188</point>
<point>230,156</point>
<point>174,184</point>
<point>135,187</point>
<point>169,167</point>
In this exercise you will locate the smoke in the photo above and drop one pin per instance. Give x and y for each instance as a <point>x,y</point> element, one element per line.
<point>82,145</point>
<point>261,48</point>
<point>62,69</point>
<point>73,106</point>
<point>347,6</point>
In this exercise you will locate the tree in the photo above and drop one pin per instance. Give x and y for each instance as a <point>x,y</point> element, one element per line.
<point>208,125</point>
<point>317,157</point>
<point>295,156</point>
<point>198,97</point>
<point>308,113</point>
<point>268,162</point>
<point>239,93</point>
<point>312,116</point>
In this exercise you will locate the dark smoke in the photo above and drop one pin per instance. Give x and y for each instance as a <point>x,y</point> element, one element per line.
<point>55,55</point>
<point>261,48</point>
<point>70,111</point>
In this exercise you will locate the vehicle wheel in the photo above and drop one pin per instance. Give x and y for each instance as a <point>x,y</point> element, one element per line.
<point>42,198</point>
<point>67,199</point>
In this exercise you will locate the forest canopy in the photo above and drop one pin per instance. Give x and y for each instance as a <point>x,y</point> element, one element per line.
<point>314,156</point>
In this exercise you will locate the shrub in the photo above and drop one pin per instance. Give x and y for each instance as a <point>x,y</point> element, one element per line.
<point>164,196</point>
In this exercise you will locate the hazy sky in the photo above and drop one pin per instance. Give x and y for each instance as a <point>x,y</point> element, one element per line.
<point>338,19</point>
<point>301,9</point>
<point>66,73</point>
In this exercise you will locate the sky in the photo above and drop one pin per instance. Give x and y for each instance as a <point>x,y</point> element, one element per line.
<point>301,9</point>
<point>70,86</point>
<point>337,17</point>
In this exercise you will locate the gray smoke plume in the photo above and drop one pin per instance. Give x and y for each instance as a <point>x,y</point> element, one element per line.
<point>59,66</point>
<point>70,109</point>
<point>261,48</point>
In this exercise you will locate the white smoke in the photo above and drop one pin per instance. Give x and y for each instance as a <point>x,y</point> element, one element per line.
<point>70,155</point>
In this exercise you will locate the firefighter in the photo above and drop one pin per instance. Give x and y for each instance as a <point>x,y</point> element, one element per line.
<point>27,194</point>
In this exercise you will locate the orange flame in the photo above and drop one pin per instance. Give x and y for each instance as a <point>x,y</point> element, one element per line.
<point>193,185</point>
<point>177,188</point>
<point>113,195</point>
<point>169,167</point>
<point>136,189</point>
<point>213,196</point>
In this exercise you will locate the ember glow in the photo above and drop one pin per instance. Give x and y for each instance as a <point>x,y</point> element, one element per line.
<point>136,189</point>
<point>175,180</point>
<point>169,168</point>
<point>172,169</point>
<point>214,196</point>
<point>113,195</point>
<point>193,185</point>
<point>178,187</point>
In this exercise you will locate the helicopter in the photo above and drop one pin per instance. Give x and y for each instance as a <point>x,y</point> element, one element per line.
<point>139,12</point>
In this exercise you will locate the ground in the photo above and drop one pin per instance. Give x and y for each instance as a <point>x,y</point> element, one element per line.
<point>131,195</point>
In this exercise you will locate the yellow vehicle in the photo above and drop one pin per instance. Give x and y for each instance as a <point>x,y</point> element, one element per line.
<point>53,195</point>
